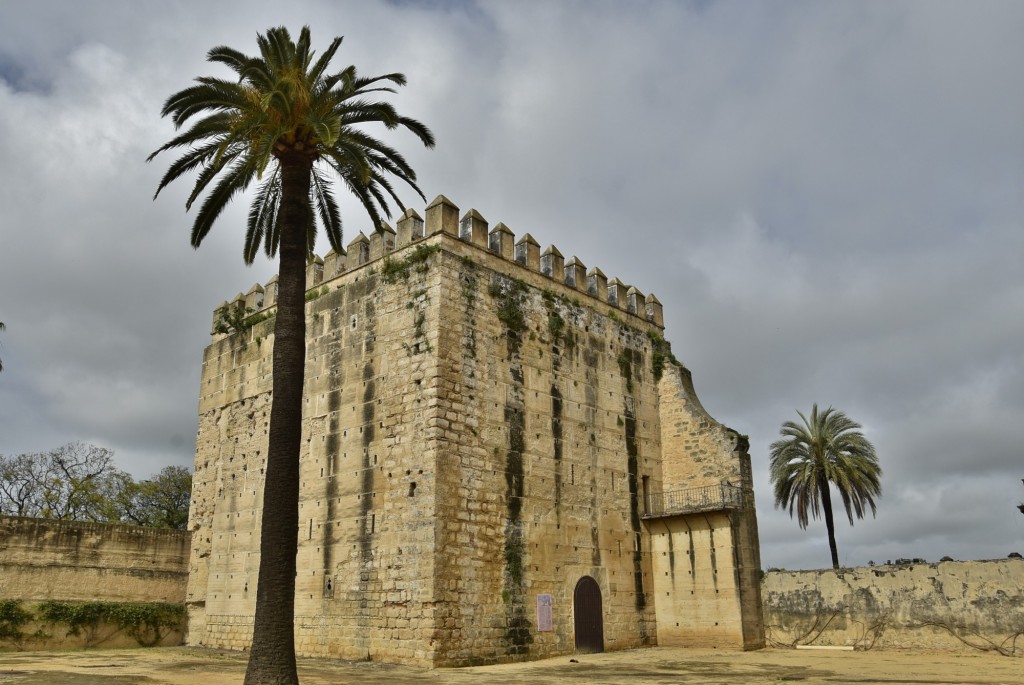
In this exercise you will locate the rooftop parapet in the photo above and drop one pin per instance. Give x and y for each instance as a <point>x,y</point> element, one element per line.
<point>314,272</point>
<point>358,252</point>
<point>254,298</point>
<point>334,264</point>
<point>270,292</point>
<point>382,241</point>
<point>655,312</point>
<point>216,316</point>
<point>473,228</point>
<point>528,252</point>
<point>617,293</point>
<point>597,284</point>
<point>502,242</point>
<point>552,264</point>
<point>576,274</point>
<point>410,228</point>
<point>442,216</point>
<point>635,302</point>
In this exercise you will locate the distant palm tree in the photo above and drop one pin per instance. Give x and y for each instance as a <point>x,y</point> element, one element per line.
<point>290,126</point>
<point>827,448</point>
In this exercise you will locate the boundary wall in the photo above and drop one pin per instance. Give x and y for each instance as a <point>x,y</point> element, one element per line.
<point>75,561</point>
<point>44,559</point>
<point>950,605</point>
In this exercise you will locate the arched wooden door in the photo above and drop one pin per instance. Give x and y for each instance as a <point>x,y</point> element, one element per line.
<point>589,617</point>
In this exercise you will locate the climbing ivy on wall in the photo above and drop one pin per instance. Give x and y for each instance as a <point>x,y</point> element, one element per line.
<point>148,623</point>
<point>13,618</point>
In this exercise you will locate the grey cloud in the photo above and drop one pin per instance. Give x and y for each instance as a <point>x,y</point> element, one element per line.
<point>825,196</point>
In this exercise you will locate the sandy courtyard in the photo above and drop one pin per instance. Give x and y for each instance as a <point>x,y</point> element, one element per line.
<point>655,666</point>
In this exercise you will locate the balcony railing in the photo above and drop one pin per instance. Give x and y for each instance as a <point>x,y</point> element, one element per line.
<point>720,497</point>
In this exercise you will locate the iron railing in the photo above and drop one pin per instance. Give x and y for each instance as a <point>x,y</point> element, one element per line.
<point>721,497</point>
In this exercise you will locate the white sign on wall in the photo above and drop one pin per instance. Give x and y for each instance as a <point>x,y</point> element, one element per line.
<point>544,603</point>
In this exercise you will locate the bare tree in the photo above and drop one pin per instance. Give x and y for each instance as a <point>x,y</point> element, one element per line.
<point>22,481</point>
<point>79,482</point>
<point>76,481</point>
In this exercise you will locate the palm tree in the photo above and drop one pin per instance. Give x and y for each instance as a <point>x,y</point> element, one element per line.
<point>827,448</point>
<point>291,127</point>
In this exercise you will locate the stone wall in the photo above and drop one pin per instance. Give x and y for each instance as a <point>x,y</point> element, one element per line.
<point>452,470</point>
<point>78,561</point>
<point>951,605</point>
<point>74,561</point>
<point>481,424</point>
<point>706,559</point>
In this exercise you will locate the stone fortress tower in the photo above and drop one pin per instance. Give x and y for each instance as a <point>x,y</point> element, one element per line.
<point>501,460</point>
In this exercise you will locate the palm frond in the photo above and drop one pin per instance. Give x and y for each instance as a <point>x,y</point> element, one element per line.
<point>396,78</point>
<point>327,209</point>
<point>209,95</point>
<point>208,173</point>
<point>302,55</point>
<point>422,132</point>
<point>241,131</point>
<point>262,214</point>
<point>234,59</point>
<point>236,180</point>
<point>315,73</point>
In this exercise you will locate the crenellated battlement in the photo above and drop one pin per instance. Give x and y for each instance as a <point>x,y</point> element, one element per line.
<point>442,218</point>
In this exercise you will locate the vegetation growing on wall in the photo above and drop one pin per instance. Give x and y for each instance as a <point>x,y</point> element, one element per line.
<point>13,617</point>
<point>510,297</point>
<point>146,623</point>
<point>556,324</point>
<point>420,343</point>
<point>394,270</point>
<point>314,293</point>
<point>661,354</point>
<point>626,369</point>
<point>469,283</point>
<point>237,317</point>
<point>517,630</point>
<point>633,471</point>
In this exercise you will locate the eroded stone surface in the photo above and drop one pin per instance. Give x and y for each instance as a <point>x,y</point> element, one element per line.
<point>477,434</point>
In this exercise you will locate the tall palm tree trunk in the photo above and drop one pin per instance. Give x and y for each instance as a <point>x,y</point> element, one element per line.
<point>272,659</point>
<point>830,525</point>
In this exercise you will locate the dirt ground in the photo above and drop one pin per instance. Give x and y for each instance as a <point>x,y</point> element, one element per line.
<point>654,666</point>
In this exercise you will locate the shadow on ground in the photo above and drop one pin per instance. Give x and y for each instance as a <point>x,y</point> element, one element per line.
<point>654,666</point>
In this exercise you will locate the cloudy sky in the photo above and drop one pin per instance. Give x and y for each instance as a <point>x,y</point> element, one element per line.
<point>827,197</point>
